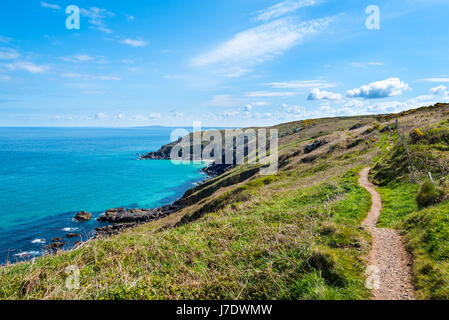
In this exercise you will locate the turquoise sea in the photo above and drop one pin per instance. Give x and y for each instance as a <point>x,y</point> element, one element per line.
<point>48,174</point>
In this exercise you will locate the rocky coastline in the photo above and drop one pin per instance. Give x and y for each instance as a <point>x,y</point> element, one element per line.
<point>117,220</point>
<point>120,219</point>
<point>212,170</point>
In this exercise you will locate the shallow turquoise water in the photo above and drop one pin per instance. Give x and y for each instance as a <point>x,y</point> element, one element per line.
<point>48,174</point>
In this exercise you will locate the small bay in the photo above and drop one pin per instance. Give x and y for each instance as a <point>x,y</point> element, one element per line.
<point>48,174</point>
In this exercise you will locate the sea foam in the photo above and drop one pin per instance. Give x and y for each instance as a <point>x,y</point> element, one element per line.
<point>35,241</point>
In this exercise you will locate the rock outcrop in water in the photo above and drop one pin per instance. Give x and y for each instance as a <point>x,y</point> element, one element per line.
<point>83,216</point>
<point>56,245</point>
<point>121,215</point>
<point>122,219</point>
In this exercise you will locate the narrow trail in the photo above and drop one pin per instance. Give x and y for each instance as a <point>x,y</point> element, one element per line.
<point>388,259</point>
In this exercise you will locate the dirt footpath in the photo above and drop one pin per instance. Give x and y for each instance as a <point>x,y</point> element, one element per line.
<point>389,266</point>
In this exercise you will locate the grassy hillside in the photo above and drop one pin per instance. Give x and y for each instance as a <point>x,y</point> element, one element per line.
<point>293,235</point>
<point>425,224</point>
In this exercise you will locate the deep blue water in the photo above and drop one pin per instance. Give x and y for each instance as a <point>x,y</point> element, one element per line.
<point>48,174</point>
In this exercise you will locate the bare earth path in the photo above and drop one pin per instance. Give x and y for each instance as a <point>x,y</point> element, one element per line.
<point>388,255</point>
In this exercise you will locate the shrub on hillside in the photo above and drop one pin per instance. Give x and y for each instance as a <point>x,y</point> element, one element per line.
<point>437,135</point>
<point>429,194</point>
<point>416,135</point>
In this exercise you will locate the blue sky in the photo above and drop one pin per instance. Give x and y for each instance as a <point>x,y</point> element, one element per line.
<point>222,62</point>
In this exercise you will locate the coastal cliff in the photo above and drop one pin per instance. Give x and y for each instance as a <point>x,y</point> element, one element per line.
<point>295,234</point>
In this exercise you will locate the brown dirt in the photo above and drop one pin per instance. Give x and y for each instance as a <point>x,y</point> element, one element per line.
<point>388,255</point>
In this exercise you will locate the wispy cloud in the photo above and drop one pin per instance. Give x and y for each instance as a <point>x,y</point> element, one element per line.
<point>78,58</point>
<point>8,54</point>
<point>439,89</point>
<point>436,80</point>
<point>27,66</point>
<point>129,17</point>
<point>282,8</point>
<point>260,44</point>
<point>50,6</point>
<point>97,18</point>
<point>258,94</point>
<point>223,100</point>
<point>302,84</point>
<point>134,42</point>
<point>365,65</point>
<point>88,77</point>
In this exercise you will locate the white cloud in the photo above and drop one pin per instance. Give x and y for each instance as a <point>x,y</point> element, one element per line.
<point>88,77</point>
<point>129,17</point>
<point>379,89</point>
<point>228,114</point>
<point>27,66</point>
<point>83,57</point>
<point>78,58</point>
<point>155,116</point>
<point>139,117</point>
<point>96,18</point>
<point>317,94</point>
<point>439,89</point>
<point>353,103</point>
<point>72,75</point>
<point>282,8</point>
<point>8,54</point>
<point>270,94</point>
<point>49,5</point>
<point>178,115</point>
<point>101,116</point>
<point>134,43</point>
<point>223,100</point>
<point>259,44</point>
<point>235,72</point>
<point>293,109</point>
<point>398,106</point>
<point>436,80</point>
<point>364,65</point>
<point>107,78</point>
<point>305,84</point>
<point>251,106</point>
<point>260,104</point>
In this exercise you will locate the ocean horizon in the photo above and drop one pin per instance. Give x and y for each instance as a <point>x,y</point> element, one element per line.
<point>48,174</point>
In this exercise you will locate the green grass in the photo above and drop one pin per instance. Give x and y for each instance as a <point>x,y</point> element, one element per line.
<point>253,249</point>
<point>427,233</point>
<point>383,145</point>
<point>398,201</point>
